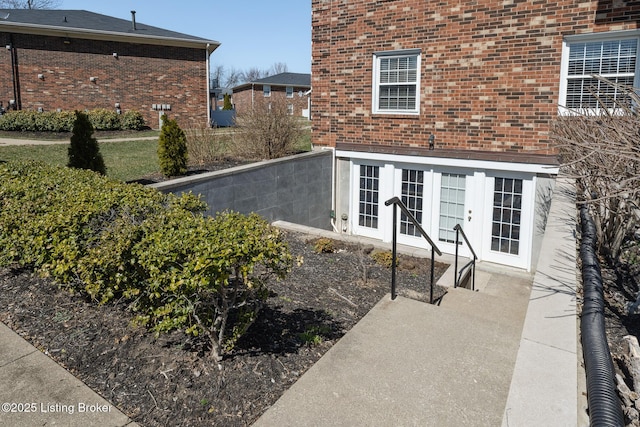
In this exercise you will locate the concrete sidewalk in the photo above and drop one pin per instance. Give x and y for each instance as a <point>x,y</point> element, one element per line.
<point>36,391</point>
<point>16,141</point>
<point>407,363</point>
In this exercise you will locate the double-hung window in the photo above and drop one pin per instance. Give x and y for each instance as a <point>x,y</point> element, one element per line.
<point>289,90</point>
<point>266,90</point>
<point>396,82</point>
<point>612,58</point>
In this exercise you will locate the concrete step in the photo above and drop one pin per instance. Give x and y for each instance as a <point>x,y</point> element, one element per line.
<point>499,298</point>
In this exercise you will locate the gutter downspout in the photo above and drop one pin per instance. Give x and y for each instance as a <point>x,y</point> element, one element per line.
<point>333,188</point>
<point>252,89</point>
<point>208,55</point>
<point>15,78</point>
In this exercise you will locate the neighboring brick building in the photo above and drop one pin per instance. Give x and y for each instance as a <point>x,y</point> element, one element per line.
<point>74,59</point>
<point>292,87</point>
<point>448,105</point>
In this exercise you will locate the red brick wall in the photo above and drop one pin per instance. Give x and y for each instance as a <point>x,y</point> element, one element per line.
<point>140,76</point>
<point>490,69</point>
<point>242,98</point>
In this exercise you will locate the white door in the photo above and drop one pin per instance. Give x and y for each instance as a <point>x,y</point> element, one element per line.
<point>413,186</point>
<point>453,205</point>
<point>368,212</point>
<point>507,230</point>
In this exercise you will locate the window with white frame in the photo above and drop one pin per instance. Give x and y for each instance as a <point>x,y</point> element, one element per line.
<point>412,197</point>
<point>396,82</point>
<point>368,197</point>
<point>612,58</point>
<point>289,91</point>
<point>266,90</point>
<point>290,109</point>
<point>452,196</point>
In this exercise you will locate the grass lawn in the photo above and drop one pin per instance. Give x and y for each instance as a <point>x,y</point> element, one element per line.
<point>126,160</point>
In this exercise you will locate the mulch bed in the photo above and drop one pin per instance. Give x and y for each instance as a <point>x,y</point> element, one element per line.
<point>169,379</point>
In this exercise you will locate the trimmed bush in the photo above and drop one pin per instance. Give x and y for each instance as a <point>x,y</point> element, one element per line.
<point>62,121</point>
<point>172,149</point>
<point>131,120</point>
<point>170,265</point>
<point>103,119</point>
<point>84,152</point>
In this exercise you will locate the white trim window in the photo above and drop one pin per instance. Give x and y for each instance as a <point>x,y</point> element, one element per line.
<point>583,58</point>
<point>266,90</point>
<point>412,197</point>
<point>369,191</point>
<point>289,90</point>
<point>452,202</point>
<point>290,109</point>
<point>507,215</point>
<point>396,82</point>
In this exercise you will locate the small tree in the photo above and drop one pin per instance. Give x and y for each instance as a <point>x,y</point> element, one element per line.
<point>268,130</point>
<point>172,149</point>
<point>227,102</point>
<point>84,152</point>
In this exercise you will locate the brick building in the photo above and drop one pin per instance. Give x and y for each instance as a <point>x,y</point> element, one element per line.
<point>75,59</point>
<point>292,87</point>
<point>448,105</point>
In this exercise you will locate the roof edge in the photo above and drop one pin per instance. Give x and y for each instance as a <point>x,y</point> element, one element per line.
<point>50,30</point>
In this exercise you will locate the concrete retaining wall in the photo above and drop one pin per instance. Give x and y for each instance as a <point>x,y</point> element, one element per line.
<point>295,189</point>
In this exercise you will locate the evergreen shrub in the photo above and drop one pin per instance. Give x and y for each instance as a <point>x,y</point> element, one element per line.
<point>171,265</point>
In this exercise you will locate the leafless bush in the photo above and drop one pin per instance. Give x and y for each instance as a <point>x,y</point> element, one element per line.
<point>601,149</point>
<point>267,131</point>
<point>206,145</point>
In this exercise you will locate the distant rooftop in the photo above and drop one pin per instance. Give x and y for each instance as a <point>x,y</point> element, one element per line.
<point>282,79</point>
<point>76,22</point>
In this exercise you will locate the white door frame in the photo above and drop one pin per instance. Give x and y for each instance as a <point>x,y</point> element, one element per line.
<point>523,258</point>
<point>416,241</point>
<point>384,193</point>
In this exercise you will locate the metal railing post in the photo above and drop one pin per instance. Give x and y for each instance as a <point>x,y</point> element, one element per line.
<point>455,275</point>
<point>397,203</point>
<point>393,253</point>
<point>433,259</point>
<point>473,278</point>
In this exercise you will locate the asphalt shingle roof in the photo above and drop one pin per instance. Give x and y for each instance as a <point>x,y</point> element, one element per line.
<point>88,21</point>
<point>287,79</point>
<point>282,79</point>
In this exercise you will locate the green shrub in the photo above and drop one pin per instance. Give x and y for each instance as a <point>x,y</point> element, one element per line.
<point>173,267</point>
<point>62,121</point>
<point>104,119</point>
<point>227,102</point>
<point>131,120</point>
<point>84,152</point>
<point>23,121</point>
<point>172,149</point>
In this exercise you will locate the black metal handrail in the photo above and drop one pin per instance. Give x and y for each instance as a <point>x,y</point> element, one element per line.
<point>397,202</point>
<point>472,263</point>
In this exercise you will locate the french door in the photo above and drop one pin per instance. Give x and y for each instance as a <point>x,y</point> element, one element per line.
<point>508,220</point>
